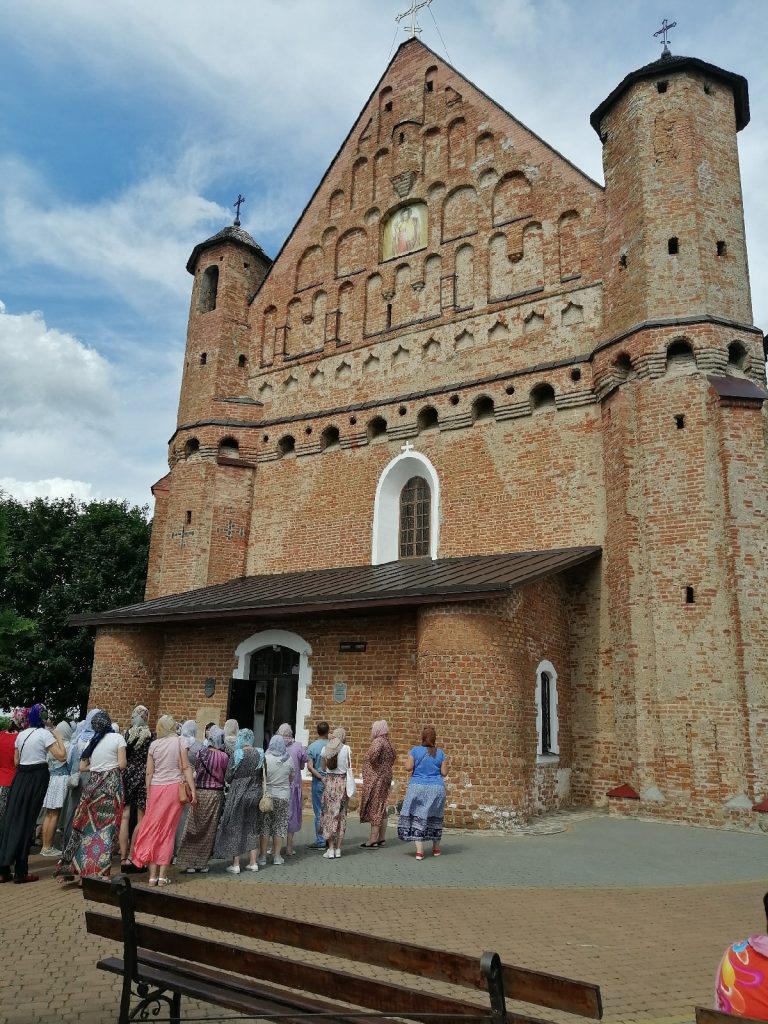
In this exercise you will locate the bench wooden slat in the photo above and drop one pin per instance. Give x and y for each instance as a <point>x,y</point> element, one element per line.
<point>357,990</point>
<point>536,987</point>
<point>704,1015</point>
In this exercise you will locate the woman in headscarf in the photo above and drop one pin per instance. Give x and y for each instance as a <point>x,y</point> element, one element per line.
<point>19,720</point>
<point>168,768</point>
<point>336,758</point>
<point>137,740</point>
<point>199,833</point>
<point>231,729</point>
<point>82,736</point>
<point>97,818</point>
<point>377,780</point>
<point>56,793</point>
<point>189,739</point>
<point>274,823</point>
<point>27,791</point>
<point>238,829</point>
<point>421,817</point>
<point>298,757</point>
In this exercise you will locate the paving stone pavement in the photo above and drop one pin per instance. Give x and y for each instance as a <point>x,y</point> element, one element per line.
<point>641,908</point>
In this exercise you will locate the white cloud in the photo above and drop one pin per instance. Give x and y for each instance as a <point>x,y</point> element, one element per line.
<point>26,490</point>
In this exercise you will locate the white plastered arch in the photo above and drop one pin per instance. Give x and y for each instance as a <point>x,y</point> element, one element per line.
<point>386,506</point>
<point>547,668</point>
<point>281,638</point>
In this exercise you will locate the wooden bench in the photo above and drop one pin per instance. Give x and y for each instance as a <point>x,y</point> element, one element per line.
<point>704,1015</point>
<point>160,965</point>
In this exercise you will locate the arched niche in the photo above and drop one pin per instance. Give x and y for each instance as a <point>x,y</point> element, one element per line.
<point>386,507</point>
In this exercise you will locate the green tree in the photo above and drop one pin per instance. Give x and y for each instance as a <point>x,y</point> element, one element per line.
<point>62,558</point>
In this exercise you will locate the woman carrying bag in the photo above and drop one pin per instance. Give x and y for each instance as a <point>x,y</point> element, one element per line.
<point>339,786</point>
<point>240,821</point>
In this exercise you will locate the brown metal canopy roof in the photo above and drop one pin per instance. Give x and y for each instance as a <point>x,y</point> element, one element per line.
<point>412,582</point>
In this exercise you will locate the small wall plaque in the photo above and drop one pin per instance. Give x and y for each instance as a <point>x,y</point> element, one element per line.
<point>353,646</point>
<point>339,693</point>
<point>209,687</point>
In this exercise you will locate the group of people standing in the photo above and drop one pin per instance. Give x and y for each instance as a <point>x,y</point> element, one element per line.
<point>156,795</point>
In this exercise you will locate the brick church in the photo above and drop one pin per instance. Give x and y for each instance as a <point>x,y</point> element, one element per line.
<point>483,446</point>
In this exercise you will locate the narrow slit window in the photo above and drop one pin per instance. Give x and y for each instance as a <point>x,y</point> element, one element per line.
<point>189,518</point>
<point>690,597</point>
<point>389,314</point>
<point>680,422</point>
<point>673,246</point>
<point>722,248</point>
<point>546,714</point>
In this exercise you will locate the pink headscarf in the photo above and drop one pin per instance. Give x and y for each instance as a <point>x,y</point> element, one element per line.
<point>379,729</point>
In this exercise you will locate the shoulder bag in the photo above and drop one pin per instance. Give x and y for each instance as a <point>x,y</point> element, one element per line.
<point>265,804</point>
<point>351,787</point>
<point>184,793</point>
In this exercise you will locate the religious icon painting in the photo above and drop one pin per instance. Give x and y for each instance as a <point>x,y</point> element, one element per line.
<point>405,231</point>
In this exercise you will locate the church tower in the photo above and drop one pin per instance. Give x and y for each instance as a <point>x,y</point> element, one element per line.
<point>202,507</point>
<point>680,377</point>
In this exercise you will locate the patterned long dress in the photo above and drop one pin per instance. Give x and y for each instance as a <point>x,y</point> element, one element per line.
<point>377,780</point>
<point>135,774</point>
<point>240,823</point>
<point>199,833</point>
<point>94,826</point>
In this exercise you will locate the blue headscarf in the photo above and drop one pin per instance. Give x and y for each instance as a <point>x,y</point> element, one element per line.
<point>244,739</point>
<point>277,748</point>
<point>38,716</point>
<point>80,740</point>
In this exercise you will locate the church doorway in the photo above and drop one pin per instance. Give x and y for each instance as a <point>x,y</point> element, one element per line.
<point>269,696</point>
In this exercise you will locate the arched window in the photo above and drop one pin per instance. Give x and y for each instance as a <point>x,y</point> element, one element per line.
<point>209,287</point>
<point>394,478</point>
<point>738,357</point>
<point>547,724</point>
<point>415,501</point>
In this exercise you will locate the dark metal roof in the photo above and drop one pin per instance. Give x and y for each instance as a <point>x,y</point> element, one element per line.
<point>737,387</point>
<point>669,65</point>
<point>232,234</point>
<point>419,581</point>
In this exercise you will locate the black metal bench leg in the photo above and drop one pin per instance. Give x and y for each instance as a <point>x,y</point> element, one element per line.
<point>176,1008</point>
<point>490,969</point>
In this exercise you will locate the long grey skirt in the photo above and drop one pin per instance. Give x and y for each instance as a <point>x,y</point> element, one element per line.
<point>240,822</point>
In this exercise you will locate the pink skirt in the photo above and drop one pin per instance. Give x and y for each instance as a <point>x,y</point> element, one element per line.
<point>156,834</point>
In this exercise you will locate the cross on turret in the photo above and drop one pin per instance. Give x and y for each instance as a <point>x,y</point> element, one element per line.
<point>665,27</point>
<point>237,204</point>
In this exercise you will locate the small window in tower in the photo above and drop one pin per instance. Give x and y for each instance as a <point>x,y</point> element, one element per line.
<point>661,86</point>
<point>389,314</point>
<point>329,438</point>
<point>376,428</point>
<point>242,361</point>
<point>429,85</point>
<point>209,287</point>
<point>623,260</point>
<point>192,447</point>
<point>286,445</point>
<point>722,248</point>
<point>673,246</point>
<point>575,374</point>
<point>680,422</point>
<point>690,597</point>
<point>401,138</point>
<point>427,418</point>
<point>738,357</point>
<point>189,518</point>
<point>388,106</point>
<point>415,501</point>
<point>203,358</point>
<point>483,408</point>
<point>708,89</point>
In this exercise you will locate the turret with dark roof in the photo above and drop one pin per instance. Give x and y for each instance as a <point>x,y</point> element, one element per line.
<point>232,233</point>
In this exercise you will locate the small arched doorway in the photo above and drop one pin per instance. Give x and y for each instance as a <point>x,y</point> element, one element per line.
<point>270,684</point>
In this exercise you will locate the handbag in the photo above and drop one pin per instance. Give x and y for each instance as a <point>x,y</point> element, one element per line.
<point>350,785</point>
<point>185,794</point>
<point>265,804</point>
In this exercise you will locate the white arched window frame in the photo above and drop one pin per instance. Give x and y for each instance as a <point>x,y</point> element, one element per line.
<point>281,638</point>
<point>546,668</point>
<point>386,507</point>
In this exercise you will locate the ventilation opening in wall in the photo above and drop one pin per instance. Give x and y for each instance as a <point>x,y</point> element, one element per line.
<point>673,246</point>
<point>623,260</point>
<point>229,448</point>
<point>389,314</point>
<point>509,389</point>
<point>286,445</point>
<point>376,428</point>
<point>427,418</point>
<point>680,422</point>
<point>722,248</point>
<point>690,597</point>
<point>242,361</point>
<point>454,399</point>
<point>662,86</point>
<point>737,356</point>
<point>329,438</point>
<point>191,447</point>
<point>203,358</point>
<point>189,518</point>
<point>388,106</point>
<point>483,408</point>
<point>680,353</point>
<point>429,86</point>
<point>401,138</point>
<point>543,397</point>
<point>575,374</point>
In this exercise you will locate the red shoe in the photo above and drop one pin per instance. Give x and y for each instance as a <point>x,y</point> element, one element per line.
<point>436,851</point>
<point>419,856</point>
<point>27,878</point>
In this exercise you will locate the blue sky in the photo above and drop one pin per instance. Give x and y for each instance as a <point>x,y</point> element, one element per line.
<point>127,130</point>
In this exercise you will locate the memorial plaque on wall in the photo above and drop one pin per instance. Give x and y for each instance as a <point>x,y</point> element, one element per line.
<point>339,693</point>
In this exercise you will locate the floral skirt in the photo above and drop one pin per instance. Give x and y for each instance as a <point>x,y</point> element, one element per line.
<point>275,822</point>
<point>95,826</point>
<point>199,833</point>
<point>422,815</point>
<point>333,817</point>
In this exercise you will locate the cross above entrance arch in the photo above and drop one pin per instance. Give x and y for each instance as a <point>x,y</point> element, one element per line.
<point>281,638</point>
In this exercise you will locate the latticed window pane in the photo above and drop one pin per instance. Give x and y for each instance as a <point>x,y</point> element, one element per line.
<point>414,518</point>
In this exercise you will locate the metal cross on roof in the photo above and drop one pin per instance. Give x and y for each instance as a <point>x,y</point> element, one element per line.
<point>237,204</point>
<point>414,28</point>
<point>665,27</point>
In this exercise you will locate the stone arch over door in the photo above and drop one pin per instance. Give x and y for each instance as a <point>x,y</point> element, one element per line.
<point>281,638</point>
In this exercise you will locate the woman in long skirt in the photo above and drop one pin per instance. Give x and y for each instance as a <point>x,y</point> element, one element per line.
<point>19,721</point>
<point>26,793</point>
<point>377,781</point>
<point>421,817</point>
<point>137,740</point>
<point>274,823</point>
<point>240,822</point>
<point>298,757</point>
<point>167,768</point>
<point>199,833</point>
<point>96,821</point>
<point>335,757</point>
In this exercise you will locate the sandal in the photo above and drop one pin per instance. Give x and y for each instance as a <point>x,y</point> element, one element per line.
<point>163,881</point>
<point>368,846</point>
<point>381,842</point>
<point>152,881</point>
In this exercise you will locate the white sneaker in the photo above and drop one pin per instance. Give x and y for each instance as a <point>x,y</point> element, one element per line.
<point>203,871</point>
<point>329,854</point>
<point>50,851</point>
<point>261,861</point>
<point>190,871</point>
<point>234,869</point>
<point>277,860</point>
<point>251,867</point>
<point>337,853</point>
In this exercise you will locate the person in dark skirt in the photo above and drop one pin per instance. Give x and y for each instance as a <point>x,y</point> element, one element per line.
<point>27,793</point>
<point>137,738</point>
